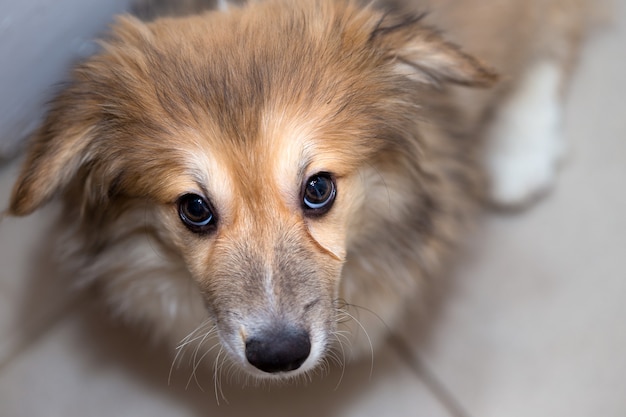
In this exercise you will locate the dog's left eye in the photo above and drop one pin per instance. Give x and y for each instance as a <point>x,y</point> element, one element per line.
<point>196,213</point>
<point>319,193</point>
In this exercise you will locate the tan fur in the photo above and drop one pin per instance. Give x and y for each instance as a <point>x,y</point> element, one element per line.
<point>242,107</point>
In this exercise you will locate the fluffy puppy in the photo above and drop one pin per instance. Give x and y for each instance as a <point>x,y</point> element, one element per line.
<point>247,174</point>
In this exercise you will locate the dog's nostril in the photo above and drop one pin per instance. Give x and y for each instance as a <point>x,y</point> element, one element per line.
<point>280,350</point>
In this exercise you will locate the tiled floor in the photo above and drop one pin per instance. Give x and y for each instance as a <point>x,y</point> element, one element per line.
<point>532,323</point>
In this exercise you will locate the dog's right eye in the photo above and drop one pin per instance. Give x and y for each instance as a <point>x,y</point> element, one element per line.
<point>196,213</point>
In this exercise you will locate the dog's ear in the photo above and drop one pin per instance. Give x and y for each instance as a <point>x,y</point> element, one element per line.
<point>422,54</point>
<point>67,139</point>
<point>57,151</point>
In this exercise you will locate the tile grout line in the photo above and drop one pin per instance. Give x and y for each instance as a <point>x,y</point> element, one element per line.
<point>432,382</point>
<point>37,332</point>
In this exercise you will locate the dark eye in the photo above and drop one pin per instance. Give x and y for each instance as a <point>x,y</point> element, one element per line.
<point>319,193</point>
<point>196,213</point>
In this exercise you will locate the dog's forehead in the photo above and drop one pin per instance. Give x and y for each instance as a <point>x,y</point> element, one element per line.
<point>267,170</point>
<point>242,107</point>
<point>244,68</point>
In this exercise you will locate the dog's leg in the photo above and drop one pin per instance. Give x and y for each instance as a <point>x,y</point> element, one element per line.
<point>525,141</point>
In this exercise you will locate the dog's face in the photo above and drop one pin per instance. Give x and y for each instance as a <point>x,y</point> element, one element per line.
<point>256,138</point>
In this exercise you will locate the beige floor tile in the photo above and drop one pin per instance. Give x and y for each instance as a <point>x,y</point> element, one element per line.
<point>84,368</point>
<point>535,322</point>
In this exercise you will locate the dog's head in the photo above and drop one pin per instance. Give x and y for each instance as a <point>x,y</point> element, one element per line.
<point>250,135</point>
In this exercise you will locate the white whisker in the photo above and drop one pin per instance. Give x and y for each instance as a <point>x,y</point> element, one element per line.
<point>369,340</point>
<point>217,377</point>
<point>194,359</point>
<point>183,343</point>
<point>341,362</point>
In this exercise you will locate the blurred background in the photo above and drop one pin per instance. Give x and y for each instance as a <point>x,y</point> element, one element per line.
<point>532,322</point>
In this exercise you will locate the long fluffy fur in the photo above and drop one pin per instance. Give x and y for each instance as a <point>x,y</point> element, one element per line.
<point>234,101</point>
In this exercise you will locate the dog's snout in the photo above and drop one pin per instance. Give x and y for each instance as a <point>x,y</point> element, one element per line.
<point>280,349</point>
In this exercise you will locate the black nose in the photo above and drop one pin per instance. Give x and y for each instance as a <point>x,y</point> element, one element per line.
<point>280,349</point>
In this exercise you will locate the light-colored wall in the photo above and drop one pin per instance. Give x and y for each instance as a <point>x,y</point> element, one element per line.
<point>39,39</point>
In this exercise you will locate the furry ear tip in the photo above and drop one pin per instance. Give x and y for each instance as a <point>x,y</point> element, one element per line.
<point>468,71</point>
<point>22,202</point>
<point>484,78</point>
<point>464,69</point>
<point>15,209</point>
